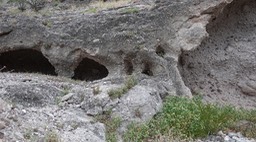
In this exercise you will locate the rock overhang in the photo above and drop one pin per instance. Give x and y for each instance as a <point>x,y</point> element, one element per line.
<point>145,42</point>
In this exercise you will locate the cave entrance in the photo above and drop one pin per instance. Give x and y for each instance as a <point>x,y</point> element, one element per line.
<point>90,70</point>
<point>25,60</point>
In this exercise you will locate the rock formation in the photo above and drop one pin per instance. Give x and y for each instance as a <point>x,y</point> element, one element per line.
<point>176,47</point>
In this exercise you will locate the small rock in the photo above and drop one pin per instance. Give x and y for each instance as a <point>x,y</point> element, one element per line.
<point>24,111</point>
<point>231,134</point>
<point>236,138</point>
<point>96,40</point>
<point>2,125</point>
<point>226,138</point>
<point>1,135</point>
<point>220,133</point>
<point>67,97</point>
<point>239,135</point>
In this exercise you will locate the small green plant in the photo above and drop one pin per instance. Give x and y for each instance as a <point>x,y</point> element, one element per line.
<point>138,113</point>
<point>118,92</point>
<point>96,90</point>
<point>187,118</point>
<point>47,23</point>
<point>36,4</point>
<point>28,134</point>
<point>74,125</point>
<point>21,4</point>
<point>51,136</point>
<point>132,10</point>
<point>111,124</point>
<point>91,10</point>
<point>65,91</point>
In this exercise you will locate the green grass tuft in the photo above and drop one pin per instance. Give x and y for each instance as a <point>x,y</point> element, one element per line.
<point>188,118</point>
<point>118,92</point>
<point>111,124</point>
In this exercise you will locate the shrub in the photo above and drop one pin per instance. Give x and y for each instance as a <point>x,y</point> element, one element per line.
<point>34,4</point>
<point>20,3</point>
<point>51,136</point>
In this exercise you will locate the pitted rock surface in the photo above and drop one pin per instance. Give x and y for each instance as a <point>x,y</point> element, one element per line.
<point>223,68</point>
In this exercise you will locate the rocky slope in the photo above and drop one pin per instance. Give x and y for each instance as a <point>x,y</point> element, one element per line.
<point>169,47</point>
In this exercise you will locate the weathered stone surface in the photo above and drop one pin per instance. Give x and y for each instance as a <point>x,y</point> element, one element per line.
<point>248,87</point>
<point>138,105</point>
<point>222,67</point>
<point>206,44</point>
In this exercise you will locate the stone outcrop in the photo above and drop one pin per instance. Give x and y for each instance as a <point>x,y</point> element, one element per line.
<point>170,47</point>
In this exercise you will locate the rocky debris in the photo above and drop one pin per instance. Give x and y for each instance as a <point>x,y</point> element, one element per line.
<point>229,137</point>
<point>34,124</point>
<point>73,98</point>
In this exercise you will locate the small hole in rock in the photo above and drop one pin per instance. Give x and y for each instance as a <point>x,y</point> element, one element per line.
<point>147,69</point>
<point>25,60</point>
<point>90,70</point>
<point>128,66</point>
<point>182,61</point>
<point>160,51</point>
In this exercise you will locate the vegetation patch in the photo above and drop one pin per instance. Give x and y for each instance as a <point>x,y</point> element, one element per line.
<point>111,125</point>
<point>189,118</point>
<point>118,92</point>
<point>51,136</point>
<point>130,10</point>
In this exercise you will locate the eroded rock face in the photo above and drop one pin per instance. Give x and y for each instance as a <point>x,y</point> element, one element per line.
<point>109,44</point>
<point>161,43</point>
<point>223,67</point>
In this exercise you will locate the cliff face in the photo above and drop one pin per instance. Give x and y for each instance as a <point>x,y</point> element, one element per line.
<point>223,67</point>
<point>208,45</point>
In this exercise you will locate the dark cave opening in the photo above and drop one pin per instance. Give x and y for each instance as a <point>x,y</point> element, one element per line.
<point>128,66</point>
<point>90,70</point>
<point>147,69</point>
<point>160,51</point>
<point>27,61</point>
